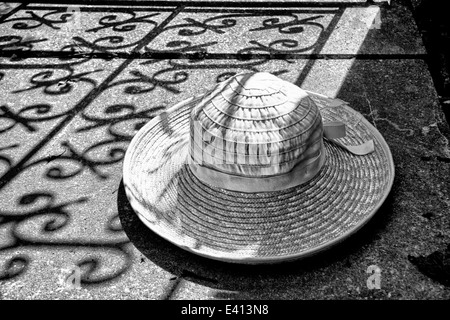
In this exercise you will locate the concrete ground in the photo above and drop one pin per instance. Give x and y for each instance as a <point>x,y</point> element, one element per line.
<point>78,82</point>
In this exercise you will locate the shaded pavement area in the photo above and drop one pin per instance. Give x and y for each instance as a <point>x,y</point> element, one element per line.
<point>77,82</point>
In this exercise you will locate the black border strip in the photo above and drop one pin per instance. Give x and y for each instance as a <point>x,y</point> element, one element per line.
<point>255,11</point>
<point>246,10</point>
<point>235,4</point>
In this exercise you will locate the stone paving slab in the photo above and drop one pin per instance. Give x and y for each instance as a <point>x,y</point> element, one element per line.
<point>80,29</point>
<point>36,100</point>
<point>63,208</point>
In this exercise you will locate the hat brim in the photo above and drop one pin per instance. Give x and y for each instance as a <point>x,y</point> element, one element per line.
<point>264,227</point>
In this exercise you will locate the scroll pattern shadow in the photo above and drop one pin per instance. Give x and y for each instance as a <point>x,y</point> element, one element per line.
<point>149,50</point>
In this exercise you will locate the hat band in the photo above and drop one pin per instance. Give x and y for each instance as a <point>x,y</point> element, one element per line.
<point>301,173</point>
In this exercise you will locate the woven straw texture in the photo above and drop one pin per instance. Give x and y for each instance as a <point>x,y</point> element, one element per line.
<point>260,227</point>
<point>251,115</point>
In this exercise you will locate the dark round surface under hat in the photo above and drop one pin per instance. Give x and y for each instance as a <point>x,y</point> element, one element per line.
<point>261,227</point>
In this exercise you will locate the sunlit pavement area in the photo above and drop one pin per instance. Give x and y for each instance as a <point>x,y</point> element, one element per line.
<point>78,81</point>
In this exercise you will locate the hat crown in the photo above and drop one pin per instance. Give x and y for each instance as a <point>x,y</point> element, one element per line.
<point>255,125</point>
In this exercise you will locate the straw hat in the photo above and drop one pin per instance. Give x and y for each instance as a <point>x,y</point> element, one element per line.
<point>257,170</point>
